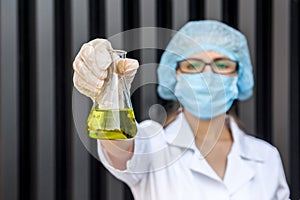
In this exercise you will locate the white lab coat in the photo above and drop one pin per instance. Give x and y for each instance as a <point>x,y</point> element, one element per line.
<point>167,165</point>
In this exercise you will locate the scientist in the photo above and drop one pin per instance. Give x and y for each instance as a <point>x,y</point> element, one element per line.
<point>203,153</point>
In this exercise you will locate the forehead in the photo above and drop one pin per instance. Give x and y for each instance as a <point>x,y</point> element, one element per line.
<point>207,55</point>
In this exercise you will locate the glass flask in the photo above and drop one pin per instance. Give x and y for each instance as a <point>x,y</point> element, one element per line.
<point>111,116</point>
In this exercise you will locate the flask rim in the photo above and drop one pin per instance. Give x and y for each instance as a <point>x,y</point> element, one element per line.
<point>120,52</point>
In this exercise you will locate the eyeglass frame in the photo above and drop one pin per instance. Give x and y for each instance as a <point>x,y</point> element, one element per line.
<point>209,64</point>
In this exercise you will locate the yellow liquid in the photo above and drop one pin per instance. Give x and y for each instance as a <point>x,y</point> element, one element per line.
<point>111,124</point>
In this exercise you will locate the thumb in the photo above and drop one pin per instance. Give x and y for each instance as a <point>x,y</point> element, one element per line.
<point>128,66</point>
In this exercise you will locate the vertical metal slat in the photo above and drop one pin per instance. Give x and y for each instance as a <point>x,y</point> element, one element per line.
<point>230,12</point>
<point>230,17</point>
<point>131,20</point>
<point>247,26</point>
<point>27,99</point>
<point>213,10</point>
<point>294,103</point>
<point>164,12</point>
<point>9,100</point>
<point>80,107</point>
<point>264,69</point>
<point>63,81</point>
<point>281,79</point>
<point>97,15</point>
<point>98,180</point>
<point>45,100</point>
<point>196,9</point>
<point>0,108</point>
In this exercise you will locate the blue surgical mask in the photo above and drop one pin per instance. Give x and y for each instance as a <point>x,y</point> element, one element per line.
<point>206,95</point>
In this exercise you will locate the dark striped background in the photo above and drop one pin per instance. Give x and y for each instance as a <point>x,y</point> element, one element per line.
<point>41,154</point>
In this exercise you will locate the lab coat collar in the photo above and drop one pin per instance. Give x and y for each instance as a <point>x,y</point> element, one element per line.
<point>240,145</point>
<point>240,160</point>
<point>179,133</point>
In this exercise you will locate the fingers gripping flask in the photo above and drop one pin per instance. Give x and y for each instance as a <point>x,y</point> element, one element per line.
<point>111,116</point>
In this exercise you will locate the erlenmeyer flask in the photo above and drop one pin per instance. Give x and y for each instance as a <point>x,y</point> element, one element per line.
<point>111,116</point>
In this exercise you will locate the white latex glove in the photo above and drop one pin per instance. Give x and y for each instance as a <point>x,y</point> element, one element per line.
<point>91,64</point>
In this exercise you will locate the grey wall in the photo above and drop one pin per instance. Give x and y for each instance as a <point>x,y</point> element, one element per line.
<point>45,76</point>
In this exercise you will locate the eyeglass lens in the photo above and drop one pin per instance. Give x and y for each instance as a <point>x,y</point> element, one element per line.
<point>220,66</point>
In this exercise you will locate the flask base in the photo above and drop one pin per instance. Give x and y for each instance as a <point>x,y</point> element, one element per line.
<point>114,124</point>
<point>109,135</point>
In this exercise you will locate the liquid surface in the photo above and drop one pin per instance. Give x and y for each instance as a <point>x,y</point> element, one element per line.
<point>111,124</point>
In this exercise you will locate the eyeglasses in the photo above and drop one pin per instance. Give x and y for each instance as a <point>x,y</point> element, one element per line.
<point>222,66</point>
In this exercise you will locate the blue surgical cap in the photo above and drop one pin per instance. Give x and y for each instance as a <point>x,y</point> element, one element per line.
<point>205,35</point>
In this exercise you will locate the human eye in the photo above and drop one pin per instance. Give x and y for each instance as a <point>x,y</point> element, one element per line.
<point>223,64</point>
<point>193,66</point>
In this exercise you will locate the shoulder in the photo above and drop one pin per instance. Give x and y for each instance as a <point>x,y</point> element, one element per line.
<point>258,149</point>
<point>150,136</point>
<point>251,147</point>
<point>267,163</point>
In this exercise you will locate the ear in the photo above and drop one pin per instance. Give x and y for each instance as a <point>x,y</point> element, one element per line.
<point>178,73</point>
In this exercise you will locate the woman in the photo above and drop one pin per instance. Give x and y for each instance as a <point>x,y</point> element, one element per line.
<point>202,154</point>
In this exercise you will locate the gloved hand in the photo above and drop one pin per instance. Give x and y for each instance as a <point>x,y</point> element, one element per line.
<point>91,64</point>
